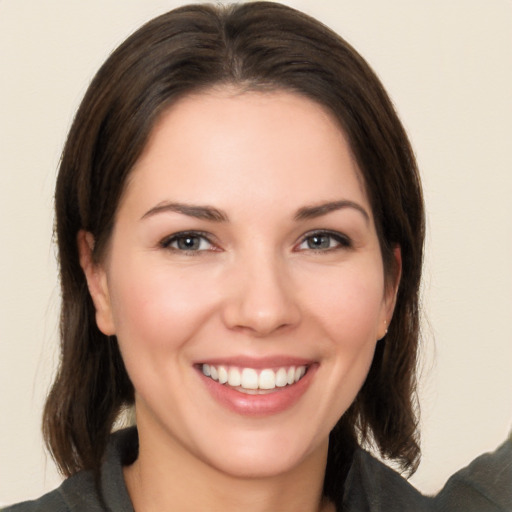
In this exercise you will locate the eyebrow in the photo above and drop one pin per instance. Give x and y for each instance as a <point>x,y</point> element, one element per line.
<point>215,215</point>
<point>196,211</point>
<point>312,212</point>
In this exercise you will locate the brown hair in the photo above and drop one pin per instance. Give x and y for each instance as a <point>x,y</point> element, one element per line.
<point>252,45</point>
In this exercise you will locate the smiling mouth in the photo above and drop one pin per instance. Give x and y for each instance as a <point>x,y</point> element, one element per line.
<point>252,381</point>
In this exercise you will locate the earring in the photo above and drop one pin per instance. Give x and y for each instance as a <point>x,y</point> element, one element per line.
<point>386,330</point>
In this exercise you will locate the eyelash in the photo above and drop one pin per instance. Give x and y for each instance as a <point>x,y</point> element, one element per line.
<point>167,242</point>
<point>341,241</point>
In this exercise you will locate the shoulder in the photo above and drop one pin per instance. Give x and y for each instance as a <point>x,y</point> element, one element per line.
<point>77,493</point>
<point>483,486</point>
<point>83,492</point>
<point>372,486</point>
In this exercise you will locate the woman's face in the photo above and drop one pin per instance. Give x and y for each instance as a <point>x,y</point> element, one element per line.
<point>244,249</point>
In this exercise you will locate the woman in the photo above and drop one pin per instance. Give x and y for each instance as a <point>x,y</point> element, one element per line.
<point>240,230</point>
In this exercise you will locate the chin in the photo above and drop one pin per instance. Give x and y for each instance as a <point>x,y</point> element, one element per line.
<point>265,455</point>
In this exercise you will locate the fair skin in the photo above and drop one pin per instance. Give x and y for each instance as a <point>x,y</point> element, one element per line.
<point>244,247</point>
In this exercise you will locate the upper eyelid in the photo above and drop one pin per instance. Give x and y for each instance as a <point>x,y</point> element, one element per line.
<point>329,232</point>
<point>166,240</point>
<point>342,241</point>
<point>211,239</point>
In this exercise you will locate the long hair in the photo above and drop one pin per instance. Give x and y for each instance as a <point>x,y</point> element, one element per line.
<point>260,45</point>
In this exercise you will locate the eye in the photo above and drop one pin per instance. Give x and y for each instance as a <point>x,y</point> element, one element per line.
<point>187,242</point>
<point>324,241</point>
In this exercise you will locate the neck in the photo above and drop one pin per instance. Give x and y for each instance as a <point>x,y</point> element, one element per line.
<point>168,477</point>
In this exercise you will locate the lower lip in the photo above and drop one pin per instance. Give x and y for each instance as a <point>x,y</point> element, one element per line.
<point>259,405</point>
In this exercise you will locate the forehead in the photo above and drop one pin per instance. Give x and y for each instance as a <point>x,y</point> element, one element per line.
<point>239,142</point>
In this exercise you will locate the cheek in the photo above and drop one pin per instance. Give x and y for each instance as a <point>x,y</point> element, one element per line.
<point>349,304</point>
<point>344,311</point>
<point>158,308</point>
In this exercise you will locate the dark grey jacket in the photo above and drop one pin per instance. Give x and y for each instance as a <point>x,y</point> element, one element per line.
<point>371,486</point>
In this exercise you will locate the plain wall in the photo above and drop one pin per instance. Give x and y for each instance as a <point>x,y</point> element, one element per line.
<point>448,68</point>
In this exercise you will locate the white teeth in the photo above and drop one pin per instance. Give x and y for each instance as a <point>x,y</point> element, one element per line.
<point>250,379</point>
<point>281,378</point>
<point>299,372</point>
<point>234,377</point>
<point>223,375</point>
<point>267,380</point>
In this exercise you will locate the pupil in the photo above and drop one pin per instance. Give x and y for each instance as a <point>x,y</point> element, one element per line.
<point>188,243</point>
<point>319,242</point>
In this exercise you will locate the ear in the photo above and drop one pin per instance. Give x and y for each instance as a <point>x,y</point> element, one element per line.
<point>391,291</point>
<point>96,282</point>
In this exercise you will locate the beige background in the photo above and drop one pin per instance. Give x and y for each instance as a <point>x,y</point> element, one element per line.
<point>448,67</point>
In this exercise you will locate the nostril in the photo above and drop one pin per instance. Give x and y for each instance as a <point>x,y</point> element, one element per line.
<point>261,319</point>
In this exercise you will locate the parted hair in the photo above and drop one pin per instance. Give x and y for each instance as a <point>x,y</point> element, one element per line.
<point>252,46</point>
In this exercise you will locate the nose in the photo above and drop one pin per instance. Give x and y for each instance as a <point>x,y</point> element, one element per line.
<point>260,298</point>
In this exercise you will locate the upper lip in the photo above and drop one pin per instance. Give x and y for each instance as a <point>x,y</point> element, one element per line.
<point>257,362</point>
